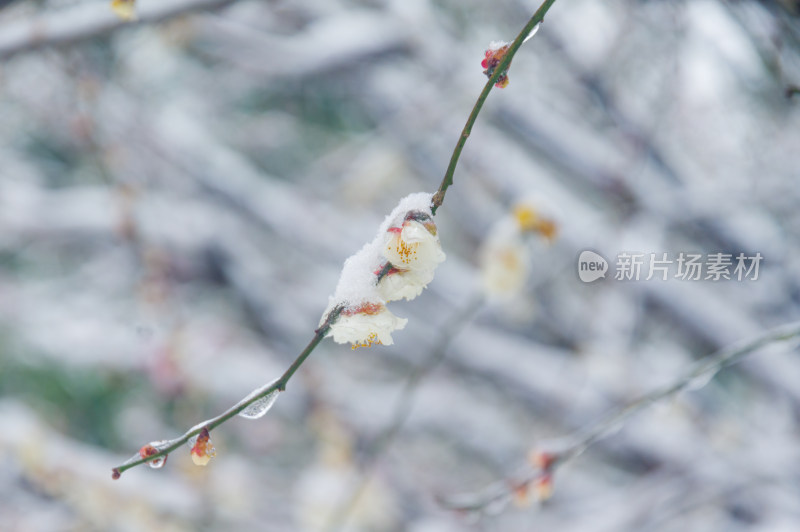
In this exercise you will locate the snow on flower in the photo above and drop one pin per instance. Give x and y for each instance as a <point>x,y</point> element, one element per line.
<point>492,57</point>
<point>495,54</point>
<point>413,250</point>
<point>398,263</point>
<point>203,451</point>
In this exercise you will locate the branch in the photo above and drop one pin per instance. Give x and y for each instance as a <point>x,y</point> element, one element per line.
<point>500,70</point>
<point>403,408</point>
<point>547,462</point>
<point>69,26</point>
<point>156,452</point>
<point>265,394</point>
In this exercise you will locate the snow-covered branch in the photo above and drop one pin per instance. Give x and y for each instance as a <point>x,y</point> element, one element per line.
<point>397,264</point>
<point>84,21</point>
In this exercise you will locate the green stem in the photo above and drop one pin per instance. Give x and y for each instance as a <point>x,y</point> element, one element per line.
<point>502,67</point>
<point>279,386</point>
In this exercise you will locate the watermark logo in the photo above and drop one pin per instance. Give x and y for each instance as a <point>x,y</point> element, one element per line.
<point>591,266</point>
<point>630,266</point>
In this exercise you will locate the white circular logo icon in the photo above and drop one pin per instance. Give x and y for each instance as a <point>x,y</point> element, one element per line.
<point>591,266</point>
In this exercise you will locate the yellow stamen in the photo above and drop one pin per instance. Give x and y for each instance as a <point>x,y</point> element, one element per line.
<point>371,340</point>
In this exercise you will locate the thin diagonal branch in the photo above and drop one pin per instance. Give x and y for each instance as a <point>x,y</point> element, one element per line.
<point>502,67</point>
<point>163,448</point>
<point>700,373</point>
<point>279,385</point>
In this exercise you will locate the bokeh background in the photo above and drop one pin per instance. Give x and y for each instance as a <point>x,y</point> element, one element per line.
<point>177,197</point>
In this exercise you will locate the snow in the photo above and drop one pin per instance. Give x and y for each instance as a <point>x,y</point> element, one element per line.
<point>357,281</point>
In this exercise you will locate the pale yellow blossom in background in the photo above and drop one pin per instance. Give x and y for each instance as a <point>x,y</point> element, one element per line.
<point>505,256</point>
<point>124,9</point>
<point>529,219</point>
<point>505,262</point>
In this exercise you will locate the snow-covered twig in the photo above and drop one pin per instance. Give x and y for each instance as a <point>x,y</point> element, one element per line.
<point>397,264</point>
<point>82,22</point>
<point>545,462</point>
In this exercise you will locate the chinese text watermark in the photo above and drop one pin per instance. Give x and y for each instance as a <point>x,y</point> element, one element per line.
<point>681,266</point>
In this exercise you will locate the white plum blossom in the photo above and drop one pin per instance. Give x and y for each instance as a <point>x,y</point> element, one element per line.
<point>413,252</point>
<point>366,325</point>
<point>399,284</point>
<point>415,244</point>
<point>398,263</point>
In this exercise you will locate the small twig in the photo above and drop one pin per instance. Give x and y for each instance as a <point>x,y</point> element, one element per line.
<point>582,440</point>
<point>501,68</point>
<point>403,408</point>
<point>279,385</point>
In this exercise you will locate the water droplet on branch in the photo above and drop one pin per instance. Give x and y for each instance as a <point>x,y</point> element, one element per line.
<point>151,449</point>
<point>158,463</point>
<point>260,407</point>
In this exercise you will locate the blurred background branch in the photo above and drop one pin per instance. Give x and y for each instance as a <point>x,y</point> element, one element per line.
<point>546,461</point>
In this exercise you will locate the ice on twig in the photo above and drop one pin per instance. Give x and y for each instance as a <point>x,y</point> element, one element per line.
<point>532,32</point>
<point>261,406</point>
<point>151,449</point>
